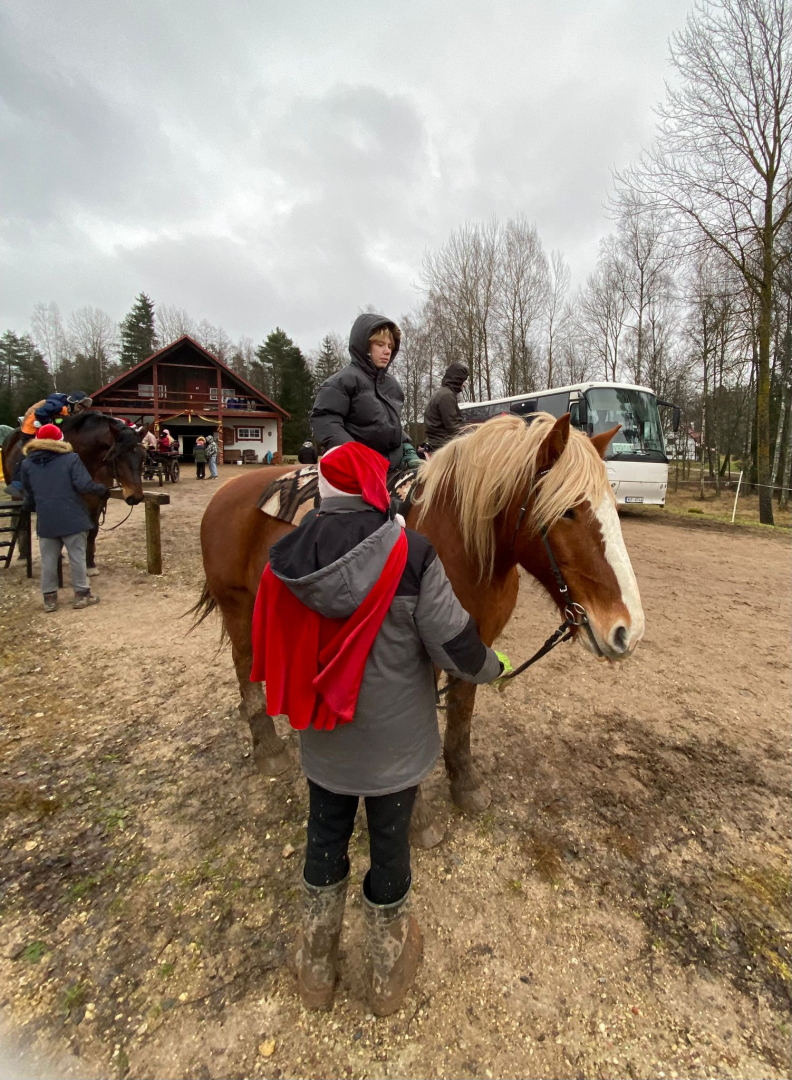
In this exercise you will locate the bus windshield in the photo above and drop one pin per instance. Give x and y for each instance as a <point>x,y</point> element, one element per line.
<point>641,435</point>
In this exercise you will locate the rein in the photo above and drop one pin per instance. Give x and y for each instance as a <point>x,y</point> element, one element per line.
<point>110,459</point>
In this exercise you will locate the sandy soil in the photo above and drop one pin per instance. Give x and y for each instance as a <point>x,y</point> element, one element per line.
<point>620,911</point>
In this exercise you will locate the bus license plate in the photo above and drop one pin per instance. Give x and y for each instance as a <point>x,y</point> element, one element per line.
<point>633,498</point>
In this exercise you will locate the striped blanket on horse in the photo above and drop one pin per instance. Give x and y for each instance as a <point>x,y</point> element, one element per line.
<point>290,497</point>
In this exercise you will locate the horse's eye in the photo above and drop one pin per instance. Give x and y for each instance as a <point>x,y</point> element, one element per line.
<point>570,513</point>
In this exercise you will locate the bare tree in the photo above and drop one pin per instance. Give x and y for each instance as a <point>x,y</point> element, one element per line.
<point>172,323</point>
<point>721,164</point>
<point>215,340</point>
<point>603,308</point>
<point>48,333</point>
<point>94,335</point>
<point>555,309</point>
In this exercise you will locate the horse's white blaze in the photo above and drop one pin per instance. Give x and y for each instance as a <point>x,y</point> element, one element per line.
<point>616,554</point>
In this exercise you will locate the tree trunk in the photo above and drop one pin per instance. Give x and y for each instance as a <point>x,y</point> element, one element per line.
<point>763,376</point>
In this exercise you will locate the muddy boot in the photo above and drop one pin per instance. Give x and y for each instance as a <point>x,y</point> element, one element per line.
<point>84,599</point>
<point>395,943</point>
<point>50,601</point>
<point>317,948</point>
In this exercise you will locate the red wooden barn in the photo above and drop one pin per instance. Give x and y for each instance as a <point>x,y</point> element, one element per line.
<point>190,392</point>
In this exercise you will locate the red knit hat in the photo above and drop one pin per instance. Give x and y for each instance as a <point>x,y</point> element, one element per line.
<point>49,431</point>
<point>355,469</point>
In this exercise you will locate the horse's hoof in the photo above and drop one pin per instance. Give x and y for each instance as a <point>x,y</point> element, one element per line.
<point>473,800</point>
<point>273,765</point>
<point>428,837</point>
<point>92,571</point>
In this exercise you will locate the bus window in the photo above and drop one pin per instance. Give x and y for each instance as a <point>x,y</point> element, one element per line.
<point>522,408</point>
<point>555,404</point>
<point>476,415</point>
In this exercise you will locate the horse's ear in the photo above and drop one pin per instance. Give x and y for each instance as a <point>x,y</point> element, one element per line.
<point>600,442</point>
<point>554,443</point>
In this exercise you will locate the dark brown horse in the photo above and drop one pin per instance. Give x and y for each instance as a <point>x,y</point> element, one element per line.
<point>484,501</point>
<point>109,450</point>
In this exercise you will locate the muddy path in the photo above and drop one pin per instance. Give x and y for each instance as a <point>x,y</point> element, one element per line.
<point>621,910</point>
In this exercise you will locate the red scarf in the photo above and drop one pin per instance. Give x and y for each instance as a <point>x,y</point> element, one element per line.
<point>313,666</point>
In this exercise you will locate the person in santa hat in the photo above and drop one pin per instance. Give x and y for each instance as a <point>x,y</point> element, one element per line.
<point>352,613</point>
<point>53,481</point>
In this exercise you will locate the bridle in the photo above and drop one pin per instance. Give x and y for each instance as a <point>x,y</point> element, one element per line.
<point>575,615</point>
<point>111,461</point>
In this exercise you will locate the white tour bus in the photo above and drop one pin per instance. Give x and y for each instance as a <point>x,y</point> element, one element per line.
<point>635,459</point>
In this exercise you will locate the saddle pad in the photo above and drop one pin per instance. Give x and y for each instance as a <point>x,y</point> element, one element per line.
<point>292,496</point>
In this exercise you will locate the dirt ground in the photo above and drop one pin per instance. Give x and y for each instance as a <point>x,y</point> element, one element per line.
<point>621,910</point>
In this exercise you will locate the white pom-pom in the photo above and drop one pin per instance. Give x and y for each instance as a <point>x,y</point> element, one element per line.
<point>400,520</point>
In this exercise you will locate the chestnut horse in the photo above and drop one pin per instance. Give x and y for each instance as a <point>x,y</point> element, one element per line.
<point>484,501</point>
<point>109,450</point>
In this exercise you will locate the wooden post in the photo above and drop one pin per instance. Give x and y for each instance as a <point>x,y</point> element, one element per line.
<point>155,376</point>
<point>219,458</point>
<point>152,500</point>
<point>153,544</point>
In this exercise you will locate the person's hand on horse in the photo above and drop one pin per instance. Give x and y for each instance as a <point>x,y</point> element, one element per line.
<point>503,680</point>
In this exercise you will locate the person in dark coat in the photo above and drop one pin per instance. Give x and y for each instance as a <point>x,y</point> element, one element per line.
<point>362,402</point>
<point>307,454</point>
<point>53,481</point>
<point>199,457</point>
<point>352,577</point>
<point>443,418</point>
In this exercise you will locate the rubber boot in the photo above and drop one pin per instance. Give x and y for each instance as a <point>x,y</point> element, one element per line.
<point>317,948</point>
<point>395,943</point>
<point>50,601</point>
<point>84,599</point>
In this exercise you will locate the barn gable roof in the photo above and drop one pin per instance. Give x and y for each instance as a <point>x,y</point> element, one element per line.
<point>185,341</point>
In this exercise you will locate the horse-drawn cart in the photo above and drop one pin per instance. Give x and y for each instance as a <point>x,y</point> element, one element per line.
<point>162,466</point>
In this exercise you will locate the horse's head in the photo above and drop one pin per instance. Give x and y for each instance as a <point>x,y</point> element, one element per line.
<point>569,498</point>
<point>110,451</point>
<point>125,461</point>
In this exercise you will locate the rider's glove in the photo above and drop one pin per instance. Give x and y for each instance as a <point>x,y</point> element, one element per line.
<point>410,459</point>
<point>502,681</point>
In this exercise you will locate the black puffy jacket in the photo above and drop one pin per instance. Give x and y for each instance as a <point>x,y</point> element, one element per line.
<point>443,418</point>
<point>361,403</point>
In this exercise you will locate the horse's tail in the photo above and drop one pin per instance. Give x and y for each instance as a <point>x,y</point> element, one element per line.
<point>203,609</point>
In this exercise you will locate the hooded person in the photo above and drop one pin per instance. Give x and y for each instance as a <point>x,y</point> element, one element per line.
<point>53,483</point>
<point>363,402</point>
<point>443,419</point>
<point>352,613</point>
<point>307,454</point>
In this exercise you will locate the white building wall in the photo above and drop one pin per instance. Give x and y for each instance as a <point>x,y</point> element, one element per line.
<point>267,438</point>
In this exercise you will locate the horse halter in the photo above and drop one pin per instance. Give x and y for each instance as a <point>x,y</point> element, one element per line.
<point>575,615</point>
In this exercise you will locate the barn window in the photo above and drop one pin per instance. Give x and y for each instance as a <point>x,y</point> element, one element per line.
<point>248,433</point>
<point>226,393</point>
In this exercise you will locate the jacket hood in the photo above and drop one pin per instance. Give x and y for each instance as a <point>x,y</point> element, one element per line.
<point>362,329</point>
<point>455,376</point>
<point>56,446</point>
<point>335,591</point>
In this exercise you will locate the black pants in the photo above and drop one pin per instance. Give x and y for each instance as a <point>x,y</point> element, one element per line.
<point>200,470</point>
<point>330,823</point>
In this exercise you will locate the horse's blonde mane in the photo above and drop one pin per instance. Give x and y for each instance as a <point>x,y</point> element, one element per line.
<point>490,465</point>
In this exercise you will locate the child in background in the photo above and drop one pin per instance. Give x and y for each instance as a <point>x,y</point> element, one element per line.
<point>199,456</point>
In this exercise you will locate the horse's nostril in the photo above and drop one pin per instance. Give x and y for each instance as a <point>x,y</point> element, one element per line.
<point>620,639</point>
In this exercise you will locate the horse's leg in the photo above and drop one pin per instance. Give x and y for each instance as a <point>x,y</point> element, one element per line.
<point>269,750</point>
<point>468,790</point>
<point>90,552</point>
<point>425,830</point>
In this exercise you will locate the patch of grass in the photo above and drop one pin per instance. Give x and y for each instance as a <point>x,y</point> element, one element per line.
<point>166,970</point>
<point>515,886</point>
<point>115,818</point>
<point>33,952</point>
<point>84,886</point>
<point>74,996</point>
<point>486,823</point>
<point>665,900</point>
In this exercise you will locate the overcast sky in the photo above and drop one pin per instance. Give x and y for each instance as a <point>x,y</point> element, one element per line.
<point>262,163</point>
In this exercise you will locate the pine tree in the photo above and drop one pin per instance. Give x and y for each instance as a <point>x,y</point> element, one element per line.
<point>329,359</point>
<point>138,333</point>
<point>281,372</point>
<point>24,375</point>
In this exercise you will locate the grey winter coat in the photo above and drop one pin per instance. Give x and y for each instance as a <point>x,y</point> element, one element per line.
<point>361,403</point>
<point>443,418</point>
<point>330,563</point>
<point>53,479</point>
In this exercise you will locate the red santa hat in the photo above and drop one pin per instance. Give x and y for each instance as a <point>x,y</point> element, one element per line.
<point>49,431</point>
<point>355,469</point>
